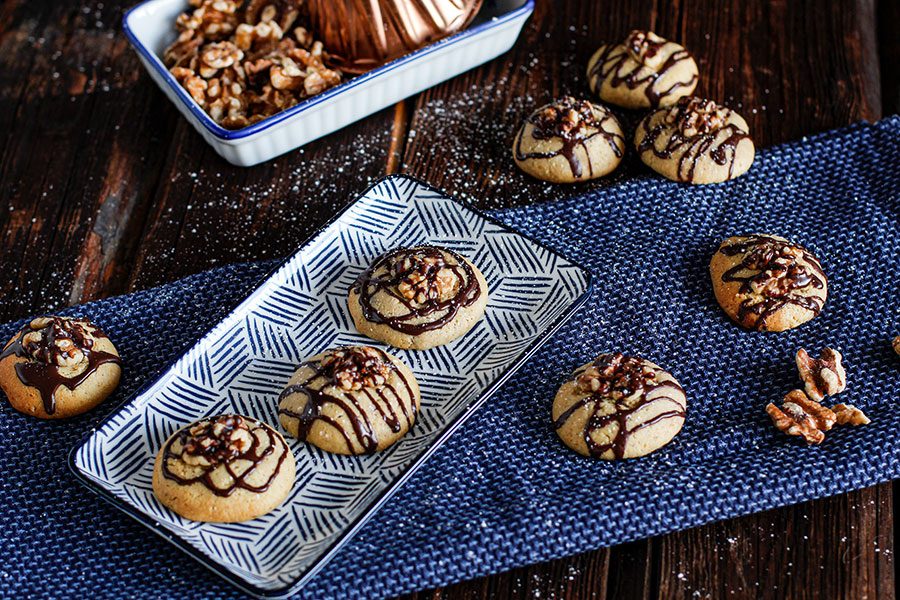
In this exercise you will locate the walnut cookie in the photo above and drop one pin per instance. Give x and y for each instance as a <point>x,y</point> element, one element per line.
<point>224,469</point>
<point>619,407</point>
<point>766,283</point>
<point>569,140</point>
<point>644,71</point>
<point>354,400</point>
<point>418,297</point>
<point>695,141</point>
<point>58,367</point>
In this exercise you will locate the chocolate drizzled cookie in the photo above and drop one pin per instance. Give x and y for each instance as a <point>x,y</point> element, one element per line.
<point>767,283</point>
<point>695,141</point>
<point>618,407</point>
<point>418,297</point>
<point>569,140</point>
<point>355,400</point>
<point>225,468</point>
<point>643,71</point>
<point>57,367</point>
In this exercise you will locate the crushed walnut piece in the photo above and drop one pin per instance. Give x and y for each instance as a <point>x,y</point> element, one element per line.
<point>644,46</point>
<point>802,417</point>
<point>896,344</point>
<point>696,116</point>
<point>847,414</point>
<point>616,376</point>
<point>58,341</point>
<point>425,277</point>
<point>216,441</point>
<point>211,19</point>
<point>245,61</point>
<point>824,376</point>
<point>567,118</point>
<point>356,367</point>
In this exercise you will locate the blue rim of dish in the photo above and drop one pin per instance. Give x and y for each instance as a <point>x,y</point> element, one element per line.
<point>344,537</point>
<point>236,134</point>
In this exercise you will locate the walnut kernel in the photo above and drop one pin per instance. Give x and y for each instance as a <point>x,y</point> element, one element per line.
<point>802,417</point>
<point>847,414</point>
<point>824,376</point>
<point>356,368</point>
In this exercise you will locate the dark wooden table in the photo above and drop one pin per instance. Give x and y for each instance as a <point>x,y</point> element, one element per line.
<point>106,189</point>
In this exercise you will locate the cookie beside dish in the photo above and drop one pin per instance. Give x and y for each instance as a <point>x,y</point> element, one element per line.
<point>643,71</point>
<point>58,367</point>
<point>569,140</point>
<point>619,407</point>
<point>767,283</point>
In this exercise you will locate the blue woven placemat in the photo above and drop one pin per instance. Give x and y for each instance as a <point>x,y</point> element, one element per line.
<point>503,492</point>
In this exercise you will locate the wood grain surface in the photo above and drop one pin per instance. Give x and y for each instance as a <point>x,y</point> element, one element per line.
<point>106,189</point>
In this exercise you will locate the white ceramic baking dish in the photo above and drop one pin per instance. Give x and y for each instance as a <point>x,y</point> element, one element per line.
<point>150,27</point>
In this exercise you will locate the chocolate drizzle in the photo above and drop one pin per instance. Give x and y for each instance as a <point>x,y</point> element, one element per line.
<point>416,277</point>
<point>53,345</point>
<point>325,386</point>
<point>692,129</point>
<point>628,64</point>
<point>623,384</point>
<point>772,273</point>
<point>225,443</point>
<point>573,122</point>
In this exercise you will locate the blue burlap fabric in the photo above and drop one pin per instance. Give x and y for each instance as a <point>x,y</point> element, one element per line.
<point>503,492</point>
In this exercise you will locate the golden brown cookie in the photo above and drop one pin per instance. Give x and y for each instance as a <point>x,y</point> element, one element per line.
<point>644,71</point>
<point>58,367</point>
<point>569,140</point>
<point>767,283</point>
<point>695,141</point>
<point>418,297</point>
<point>619,407</point>
<point>224,469</point>
<point>354,400</point>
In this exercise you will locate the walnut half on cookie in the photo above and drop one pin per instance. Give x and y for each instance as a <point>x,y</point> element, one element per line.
<point>58,367</point>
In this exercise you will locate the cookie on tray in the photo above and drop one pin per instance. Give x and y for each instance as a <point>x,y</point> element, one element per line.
<point>58,367</point>
<point>619,407</point>
<point>695,141</point>
<point>224,469</point>
<point>569,140</point>
<point>353,400</point>
<point>644,71</point>
<point>766,283</point>
<point>418,297</point>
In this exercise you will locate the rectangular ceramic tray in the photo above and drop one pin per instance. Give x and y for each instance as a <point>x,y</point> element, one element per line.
<point>300,310</point>
<point>150,27</point>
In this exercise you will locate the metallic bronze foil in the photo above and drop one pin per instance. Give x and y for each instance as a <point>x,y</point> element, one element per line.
<point>360,35</point>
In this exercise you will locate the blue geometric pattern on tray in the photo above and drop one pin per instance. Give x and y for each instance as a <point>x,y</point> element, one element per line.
<point>245,361</point>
